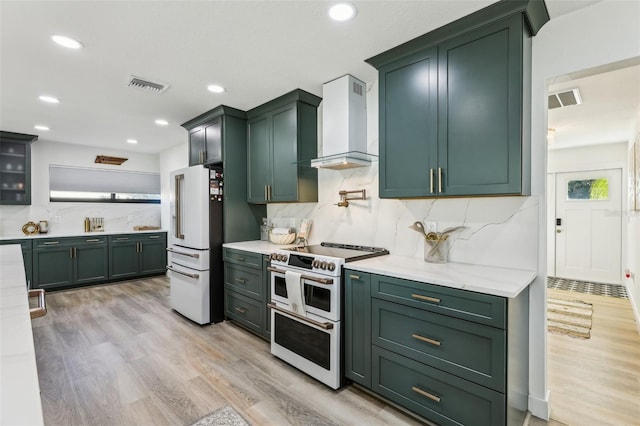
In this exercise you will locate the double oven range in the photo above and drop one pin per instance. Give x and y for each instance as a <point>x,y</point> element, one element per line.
<point>310,337</point>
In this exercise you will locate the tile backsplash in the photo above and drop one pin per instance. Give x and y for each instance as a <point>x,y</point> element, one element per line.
<point>500,231</point>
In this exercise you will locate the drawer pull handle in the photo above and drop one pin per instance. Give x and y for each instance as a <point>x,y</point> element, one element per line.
<point>49,243</point>
<point>194,255</point>
<point>122,239</point>
<point>241,310</point>
<point>425,393</point>
<point>354,277</point>
<point>426,339</point>
<point>426,298</point>
<point>93,240</point>
<point>153,237</point>
<point>241,280</point>
<point>241,259</point>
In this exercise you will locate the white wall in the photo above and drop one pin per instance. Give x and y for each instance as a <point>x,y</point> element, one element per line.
<point>600,34</point>
<point>44,153</point>
<point>632,260</point>
<point>595,157</point>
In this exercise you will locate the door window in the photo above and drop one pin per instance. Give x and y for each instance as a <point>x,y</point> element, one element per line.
<point>588,189</point>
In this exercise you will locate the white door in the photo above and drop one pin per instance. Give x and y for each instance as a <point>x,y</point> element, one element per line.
<point>588,226</point>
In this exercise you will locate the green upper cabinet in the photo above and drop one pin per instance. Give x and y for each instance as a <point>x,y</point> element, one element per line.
<point>454,106</point>
<point>15,168</point>
<point>206,133</point>
<point>281,134</point>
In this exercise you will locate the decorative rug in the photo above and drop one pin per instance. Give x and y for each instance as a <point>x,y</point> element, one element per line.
<point>569,317</point>
<point>225,416</point>
<point>599,289</point>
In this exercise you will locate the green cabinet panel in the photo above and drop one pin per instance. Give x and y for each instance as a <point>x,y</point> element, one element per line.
<point>205,143</point>
<point>91,262</point>
<point>434,394</point>
<point>15,168</point>
<point>480,116</point>
<point>134,255</point>
<point>453,105</point>
<point>53,267</point>
<point>468,350</point>
<point>280,134</point>
<point>408,125</point>
<point>247,290</point>
<point>357,327</point>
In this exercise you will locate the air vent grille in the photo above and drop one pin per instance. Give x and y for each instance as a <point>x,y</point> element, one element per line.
<point>357,88</point>
<point>564,99</point>
<point>140,83</point>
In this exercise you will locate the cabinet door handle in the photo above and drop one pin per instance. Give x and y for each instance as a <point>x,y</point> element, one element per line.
<point>425,393</point>
<point>269,186</point>
<point>241,310</point>
<point>431,180</point>
<point>440,179</point>
<point>266,193</point>
<point>426,298</point>
<point>241,280</point>
<point>354,277</point>
<point>426,339</point>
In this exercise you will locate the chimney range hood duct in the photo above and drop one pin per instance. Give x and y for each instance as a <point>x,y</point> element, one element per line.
<point>344,125</point>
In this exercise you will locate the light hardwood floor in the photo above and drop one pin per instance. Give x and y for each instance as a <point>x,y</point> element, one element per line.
<point>118,355</point>
<point>597,381</point>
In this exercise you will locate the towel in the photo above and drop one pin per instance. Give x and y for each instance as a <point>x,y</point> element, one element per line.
<point>294,292</point>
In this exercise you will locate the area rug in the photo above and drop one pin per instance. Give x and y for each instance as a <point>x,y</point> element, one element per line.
<point>569,317</point>
<point>225,416</point>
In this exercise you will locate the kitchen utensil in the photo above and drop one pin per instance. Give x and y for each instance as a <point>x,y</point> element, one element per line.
<point>419,227</point>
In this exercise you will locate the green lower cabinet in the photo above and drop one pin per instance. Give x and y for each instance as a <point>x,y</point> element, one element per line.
<point>244,310</point>
<point>266,280</point>
<point>434,394</point>
<point>134,255</point>
<point>67,262</point>
<point>357,327</point>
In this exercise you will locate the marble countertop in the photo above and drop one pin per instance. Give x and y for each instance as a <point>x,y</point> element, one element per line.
<point>76,234</point>
<point>258,246</point>
<point>19,387</point>
<point>492,280</point>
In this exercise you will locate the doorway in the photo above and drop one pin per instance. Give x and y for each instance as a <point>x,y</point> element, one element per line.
<point>588,226</point>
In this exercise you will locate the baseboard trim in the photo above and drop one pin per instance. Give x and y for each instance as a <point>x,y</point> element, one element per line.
<point>540,407</point>
<point>634,306</point>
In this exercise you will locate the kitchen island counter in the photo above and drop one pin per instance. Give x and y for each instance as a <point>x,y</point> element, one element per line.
<point>19,389</point>
<point>492,280</point>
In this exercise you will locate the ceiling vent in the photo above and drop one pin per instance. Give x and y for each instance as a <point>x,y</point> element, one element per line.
<point>139,83</point>
<point>564,99</point>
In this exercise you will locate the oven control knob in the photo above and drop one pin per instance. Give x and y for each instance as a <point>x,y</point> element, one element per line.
<point>331,266</point>
<point>314,264</point>
<point>285,258</point>
<point>323,265</point>
<point>274,256</point>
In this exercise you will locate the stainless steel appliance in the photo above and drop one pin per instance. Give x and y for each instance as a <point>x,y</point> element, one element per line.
<point>307,290</point>
<point>195,244</point>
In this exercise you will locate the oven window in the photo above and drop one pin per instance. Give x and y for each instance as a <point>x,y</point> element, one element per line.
<point>317,297</point>
<point>306,341</point>
<point>280,286</point>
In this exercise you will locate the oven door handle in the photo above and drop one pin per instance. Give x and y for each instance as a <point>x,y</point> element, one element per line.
<point>322,325</point>
<point>304,277</point>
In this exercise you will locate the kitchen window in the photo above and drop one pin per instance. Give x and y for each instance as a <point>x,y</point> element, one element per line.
<point>76,184</point>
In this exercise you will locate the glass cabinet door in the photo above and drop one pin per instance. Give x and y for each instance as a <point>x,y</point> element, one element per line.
<point>14,173</point>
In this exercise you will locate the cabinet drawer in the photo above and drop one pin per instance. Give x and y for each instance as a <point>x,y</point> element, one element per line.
<point>244,280</point>
<point>243,258</point>
<point>434,394</point>
<point>52,242</point>
<point>244,310</point>
<point>472,351</point>
<point>467,305</point>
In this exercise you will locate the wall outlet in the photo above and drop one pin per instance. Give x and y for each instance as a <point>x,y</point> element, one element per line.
<point>130,218</point>
<point>57,219</point>
<point>431,226</point>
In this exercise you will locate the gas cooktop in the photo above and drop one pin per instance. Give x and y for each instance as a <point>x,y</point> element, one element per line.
<point>348,252</point>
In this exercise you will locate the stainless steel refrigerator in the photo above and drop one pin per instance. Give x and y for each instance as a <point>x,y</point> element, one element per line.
<point>195,269</point>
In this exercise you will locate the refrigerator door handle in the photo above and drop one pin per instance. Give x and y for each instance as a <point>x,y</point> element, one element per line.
<point>194,276</point>
<point>178,229</point>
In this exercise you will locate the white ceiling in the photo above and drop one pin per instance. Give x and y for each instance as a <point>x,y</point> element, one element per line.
<point>258,50</point>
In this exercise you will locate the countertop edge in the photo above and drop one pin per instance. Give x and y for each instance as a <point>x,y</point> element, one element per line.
<point>77,234</point>
<point>255,246</point>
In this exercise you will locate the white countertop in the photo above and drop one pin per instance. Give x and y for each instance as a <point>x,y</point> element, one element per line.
<point>482,279</point>
<point>19,389</point>
<point>257,246</point>
<point>76,234</point>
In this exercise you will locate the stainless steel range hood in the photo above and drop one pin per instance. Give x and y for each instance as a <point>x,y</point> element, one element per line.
<point>344,125</point>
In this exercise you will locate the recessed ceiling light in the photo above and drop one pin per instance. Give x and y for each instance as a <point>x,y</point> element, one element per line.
<point>342,12</point>
<point>67,42</point>
<point>40,127</point>
<point>215,88</point>
<point>132,141</point>
<point>49,99</point>
<point>161,122</point>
